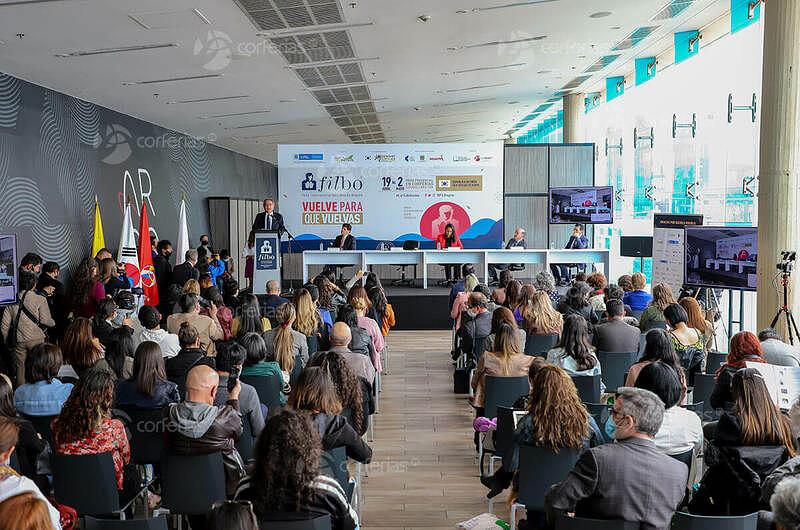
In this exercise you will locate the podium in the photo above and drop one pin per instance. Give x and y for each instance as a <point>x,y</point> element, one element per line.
<point>267,260</point>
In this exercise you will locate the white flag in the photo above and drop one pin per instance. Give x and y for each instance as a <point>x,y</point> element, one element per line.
<point>182,243</point>
<point>127,254</point>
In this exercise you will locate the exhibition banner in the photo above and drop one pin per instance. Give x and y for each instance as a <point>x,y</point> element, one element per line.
<point>669,248</point>
<point>391,193</point>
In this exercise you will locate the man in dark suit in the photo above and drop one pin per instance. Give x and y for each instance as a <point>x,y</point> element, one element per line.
<point>270,302</point>
<point>163,270</point>
<point>630,479</point>
<point>269,219</point>
<point>615,335</point>
<point>186,271</point>
<point>517,241</point>
<point>345,240</point>
<point>576,241</point>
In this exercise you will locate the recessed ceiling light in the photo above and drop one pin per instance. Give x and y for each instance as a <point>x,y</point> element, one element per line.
<point>118,49</point>
<point>424,18</point>
<point>544,71</point>
<point>287,101</point>
<point>616,27</point>
<point>600,14</point>
<point>513,102</point>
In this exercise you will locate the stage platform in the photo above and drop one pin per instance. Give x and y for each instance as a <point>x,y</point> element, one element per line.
<point>416,308</point>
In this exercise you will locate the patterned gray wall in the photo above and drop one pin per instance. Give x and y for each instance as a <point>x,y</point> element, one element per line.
<point>57,152</point>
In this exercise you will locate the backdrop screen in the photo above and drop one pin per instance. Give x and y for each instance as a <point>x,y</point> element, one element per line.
<point>8,269</point>
<point>392,193</point>
<point>721,257</point>
<point>582,205</point>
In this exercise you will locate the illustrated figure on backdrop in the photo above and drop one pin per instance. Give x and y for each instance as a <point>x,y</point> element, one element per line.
<point>447,239</point>
<point>309,184</point>
<point>446,216</point>
<point>269,219</point>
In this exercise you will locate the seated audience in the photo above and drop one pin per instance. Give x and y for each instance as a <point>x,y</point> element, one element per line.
<point>512,293</point>
<point>383,309</point>
<point>615,292</point>
<point>479,325</point>
<point>785,504</point>
<point>626,282</point>
<point>283,342</point>
<point>574,352</point>
<point>458,286</point>
<point>208,327</point>
<point>658,348</point>
<point>224,313</point>
<point>653,315</point>
<point>616,481</point>
<point>30,444</point>
<point>556,419</point>
<point>499,294</point>
<point>148,387</point>
<point>324,314</point>
<point>308,321</point>
<point>29,331</point>
<point>86,289</point>
<point>249,319</point>
<point>615,335</point>
<point>776,351</point>
<point>751,440</point>
<point>258,363</point>
<point>230,359</point>
<point>272,300</point>
<point>81,349</point>
<point>460,302</point>
<point>637,298</point>
<point>542,318</point>
<point>85,426</point>
<point>103,320</point>
<point>230,293</point>
<point>286,475</point>
<point>150,318</point>
<point>233,515</point>
<point>503,315</point>
<point>190,355</point>
<point>744,348</point>
<point>545,282</point>
<point>361,342</point>
<point>358,363</point>
<point>120,351</point>
<point>25,511</point>
<point>597,281</point>
<point>689,343</point>
<point>357,297</point>
<point>523,306</point>
<point>316,394</point>
<point>43,394</point>
<point>576,302</point>
<point>505,359</point>
<point>681,430</point>
<point>330,297</point>
<point>196,426</point>
<point>352,390</point>
<point>12,484</point>
<point>110,277</point>
<point>697,320</point>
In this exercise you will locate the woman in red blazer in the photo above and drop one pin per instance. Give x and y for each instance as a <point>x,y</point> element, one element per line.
<point>449,239</point>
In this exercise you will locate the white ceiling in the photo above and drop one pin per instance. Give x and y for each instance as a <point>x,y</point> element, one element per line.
<point>404,62</point>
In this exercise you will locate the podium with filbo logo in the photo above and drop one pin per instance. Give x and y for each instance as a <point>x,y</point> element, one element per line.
<point>267,260</point>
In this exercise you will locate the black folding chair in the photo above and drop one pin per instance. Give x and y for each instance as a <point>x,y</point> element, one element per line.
<point>588,387</point>
<point>87,483</point>
<point>714,360</point>
<point>247,441</point>
<point>703,387</point>
<point>191,484</point>
<point>500,392</point>
<point>564,522</point>
<point>614,366</point>
<point>268,389</point>
<point>42,426</point>
<point>153,523</point>
<point>687,521</point>
<point>298,369</point>
<point>686,457</point>
<point>539,345</point>
<point>147,434</point>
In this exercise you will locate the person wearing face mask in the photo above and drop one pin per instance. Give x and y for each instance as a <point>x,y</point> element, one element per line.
<point>615,481</point>
<point>163,268</point>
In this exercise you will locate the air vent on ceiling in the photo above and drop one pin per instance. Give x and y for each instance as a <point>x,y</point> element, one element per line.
<point>601,63</point>
<point>232,114</point>
<point>465,102</point>
<point>575,83</point>
<point>206,100</point>
<point>672,10</point>
<point>528,3</point>
<point>498,43</point>
<point>637,36</point>
<point>474,87</point>
<point>172,79</point>
<point>118,49</point>
<point>254,125</point>
<point>342,95</point>
<point>285,14</point>
<point>485,69</point>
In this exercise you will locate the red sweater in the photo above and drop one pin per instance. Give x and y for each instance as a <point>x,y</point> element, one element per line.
<point>440,242</point>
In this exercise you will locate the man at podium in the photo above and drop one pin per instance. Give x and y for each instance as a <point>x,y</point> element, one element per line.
<point>269,219</point>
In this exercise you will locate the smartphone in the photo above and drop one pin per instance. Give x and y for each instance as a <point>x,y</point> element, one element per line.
<point>233,377</point>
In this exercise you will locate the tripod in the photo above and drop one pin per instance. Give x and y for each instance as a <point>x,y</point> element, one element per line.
<point>786,310</point>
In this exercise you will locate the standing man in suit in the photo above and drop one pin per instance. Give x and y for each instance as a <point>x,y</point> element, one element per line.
<point>186,271</point>
<point>517,241</point>
<point>616,481</point>
<point>269,219</point>
<point>576,241</point>
<point>345,240</point>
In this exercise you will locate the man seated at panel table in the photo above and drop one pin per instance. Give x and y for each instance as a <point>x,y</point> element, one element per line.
<point>516,241</point>
<point>576,241</point>
<point>345,240</point>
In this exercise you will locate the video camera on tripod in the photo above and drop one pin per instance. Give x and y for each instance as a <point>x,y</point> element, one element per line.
<point>788,257</point>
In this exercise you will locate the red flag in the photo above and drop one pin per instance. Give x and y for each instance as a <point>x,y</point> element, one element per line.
<point>147,273</point>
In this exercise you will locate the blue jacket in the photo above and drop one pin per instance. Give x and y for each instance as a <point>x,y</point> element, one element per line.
<point>216,268</point>
<point>42,398</point>
<point>638,300</point>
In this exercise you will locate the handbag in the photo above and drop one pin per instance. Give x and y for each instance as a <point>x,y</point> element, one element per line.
<point>11,338</point>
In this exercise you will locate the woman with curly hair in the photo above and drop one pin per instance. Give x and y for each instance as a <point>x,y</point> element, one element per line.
<point>316,394</point>
<point>574,352</point>
<point>542,318</point>
<point>349,388</point>
<point>556,419</point>
<point>81,349</point>
<point>597,281</point>
<point>85,426</point>
<point>87,289</point>
<point>576,302</point>
<point>330,297</point>
<point>286,475</point>
<point>653,316</point>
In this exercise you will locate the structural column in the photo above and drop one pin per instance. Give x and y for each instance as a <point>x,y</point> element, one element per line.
<point>778,152</point>
<point>573,109</point>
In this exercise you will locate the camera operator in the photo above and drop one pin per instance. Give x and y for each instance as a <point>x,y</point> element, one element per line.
<point>208,327</point>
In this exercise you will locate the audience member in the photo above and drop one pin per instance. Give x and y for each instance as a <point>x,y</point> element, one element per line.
<point>697,320</point>
<point>54,291</point>
<point>478,326</point>
<point>330,297</point>
<point>459,285</point>
<point>224,313</point>
<point>513,291</point>
<point>324,314</point>
<point>383,309</point>
<point>190,355</point>
<point>499,294</point>
<point>523,307</point>
<point>24,323</point>
<point>120,351</point>
<point>229,362</point>
<point>503,315</point>
<point>653,315</point>
<point>150,319</point>
<point>283,342</point>
<point>232,515</point>
<point>689,343</point>
<point>574,352</point>
<point>505,359</point>
<point>186,271</point>
<point>208,327</point>
<point>544,281</point>
<point>163,270</point>
<point>85,426</point>
<point>615,335</point>
<point>681,430</point>
<point>776,351</point>
<point>230,293</point>
<point>360,364</point>
<point>148,387</point>
<point>615,292</point>
<point>358,298</point>
<point>597,281</point>
<point>258,363</point>
<point>637,298</point>
<point>315,394</point>
<point>42,394</point>
<point>658,348</point>
<point>626,282</point>
<point>361,341</point>
<point>81,349</point>
<point>352,390</point>
<point>249,319</point>
<point>103,321</point>
<point>286,475</point>
<point>25,511</point>
<point>576,302</point>
<point>308,321</point>
<point>460,302</point>
<point>30,444</point>
<point>109,275</point>
<point>615,481</point>
<point>785,504</point>
<point>543,319</point>
<point>13,485</point>
<point>197,426</point>
<point>31,262</point>
<point>87,290</point>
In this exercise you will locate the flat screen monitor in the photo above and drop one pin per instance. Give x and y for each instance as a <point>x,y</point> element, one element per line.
<point>721,257</point>
<point>636,246</point>
<point>8,269</point>
<point>587,205</point>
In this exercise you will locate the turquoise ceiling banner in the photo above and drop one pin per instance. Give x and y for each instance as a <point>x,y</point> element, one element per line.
<point>645,69</point>
<point>591,101</point>
<point>687,44</point>
<point>744,13</point>
<point>615,87</point>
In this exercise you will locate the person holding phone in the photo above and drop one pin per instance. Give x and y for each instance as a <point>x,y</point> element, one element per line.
<point>449,239</point>
<point>229,361</point>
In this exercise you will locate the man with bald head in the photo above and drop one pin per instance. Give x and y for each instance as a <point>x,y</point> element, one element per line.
<point>196,427</point>
<point>359,363</point>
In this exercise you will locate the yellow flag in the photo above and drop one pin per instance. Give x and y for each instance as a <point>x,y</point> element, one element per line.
<point>98,241</point>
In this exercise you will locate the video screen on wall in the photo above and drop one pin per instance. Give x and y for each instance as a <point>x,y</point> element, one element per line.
<point>588,205</point>
<point>721,257</point>
<point>8,269</point>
